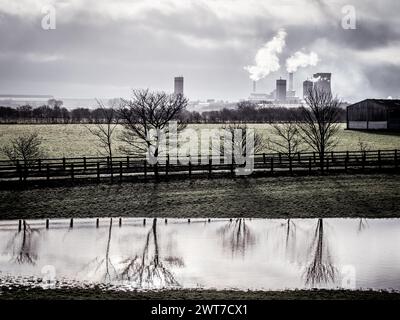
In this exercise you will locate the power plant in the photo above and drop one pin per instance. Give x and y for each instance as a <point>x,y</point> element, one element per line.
<point>284,93</point>
<point>281,90</point>
<point>178,85</point>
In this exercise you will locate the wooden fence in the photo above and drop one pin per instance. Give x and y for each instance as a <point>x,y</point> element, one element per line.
<point>133,168</point>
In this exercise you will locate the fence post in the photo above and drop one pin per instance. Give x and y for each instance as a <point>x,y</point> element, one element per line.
<point>332,157</point>
<point>209,167</point>
<point>19,170</point>
<point>298,157</point>
<point>190,168</point>
<point>19,225</point>
<point>84,163</point>
<point>309,165</point>
<point>264,158</point>
<point>127,162</point>
<point>47,223</point>
<point>25,170</point>
<point>120,171</point>
<point>71,223</point>
<point>395,159</point>
<point>364,159</point>
<point>314,157</point>
<point>290,165</point>
<point>280,158</point>
<point>111,164</point>
<point>63,160</point>
<point>327,164</point>
<point>379,159</point>
<point>167,166</point>
<point>345,164</point>
<point>72,171</point>
<point>145,170</point>
<point>48,172</point>
<point>40,165</point>
<point>98,171</point>
<point>272,164</point>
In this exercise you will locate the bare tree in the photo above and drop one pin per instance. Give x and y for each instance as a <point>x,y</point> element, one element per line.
<point>26,147</point>
<point>238,134</point>
<point>148,111</point>
<point>363,146</point>
<point>319,122</point>
<point>287,140</point>
<point>104,129</point>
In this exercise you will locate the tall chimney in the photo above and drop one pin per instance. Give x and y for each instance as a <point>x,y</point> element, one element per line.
<point>291,81</point>
<point>254,86</point>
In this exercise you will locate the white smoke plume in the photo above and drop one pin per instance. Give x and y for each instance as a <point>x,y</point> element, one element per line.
<point>301,59</point>
<point>266,59</point>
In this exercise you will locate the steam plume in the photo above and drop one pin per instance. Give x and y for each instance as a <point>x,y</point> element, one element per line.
<point>266,59</point>
<point>301,59</point>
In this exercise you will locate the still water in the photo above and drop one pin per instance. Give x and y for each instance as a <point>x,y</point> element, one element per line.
<point>262,254</point>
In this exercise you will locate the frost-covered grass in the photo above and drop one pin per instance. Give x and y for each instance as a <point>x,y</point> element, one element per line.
<point>75,140</point>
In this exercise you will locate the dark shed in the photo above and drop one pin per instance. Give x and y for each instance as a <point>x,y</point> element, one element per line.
<point>374,114</point>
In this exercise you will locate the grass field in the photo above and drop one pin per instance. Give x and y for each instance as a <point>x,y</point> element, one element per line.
<point>75,140</point>
<point>371,196</point>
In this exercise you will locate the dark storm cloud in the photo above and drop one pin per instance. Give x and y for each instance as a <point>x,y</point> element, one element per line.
<point>115,45</point>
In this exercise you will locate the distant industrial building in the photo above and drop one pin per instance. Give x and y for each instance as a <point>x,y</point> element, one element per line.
<point>281,90</point>
<point>374,114</point>
<point>322,81</point>
<point>291,93</point>
<point>178,85</point>
<point>307,87</point>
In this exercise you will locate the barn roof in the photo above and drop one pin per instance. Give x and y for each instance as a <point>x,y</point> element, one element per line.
<point>386,102</point>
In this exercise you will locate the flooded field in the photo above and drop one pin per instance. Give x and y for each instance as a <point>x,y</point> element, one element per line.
<point>255,254</point>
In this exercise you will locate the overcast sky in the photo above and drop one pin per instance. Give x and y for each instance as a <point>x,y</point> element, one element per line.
<point>104,48</point>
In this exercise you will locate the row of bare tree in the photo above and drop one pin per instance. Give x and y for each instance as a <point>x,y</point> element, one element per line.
<point>315,128</point>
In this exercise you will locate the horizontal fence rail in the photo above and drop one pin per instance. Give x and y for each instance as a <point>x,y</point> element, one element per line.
<point>131,168</point>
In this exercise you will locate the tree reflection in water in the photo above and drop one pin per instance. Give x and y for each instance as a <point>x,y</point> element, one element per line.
<point>321,269</point>
<point>103,268</point>
<point>362,225</point>
<point>236,236</point>
<point>23,245</point>
<point>147,270</point>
